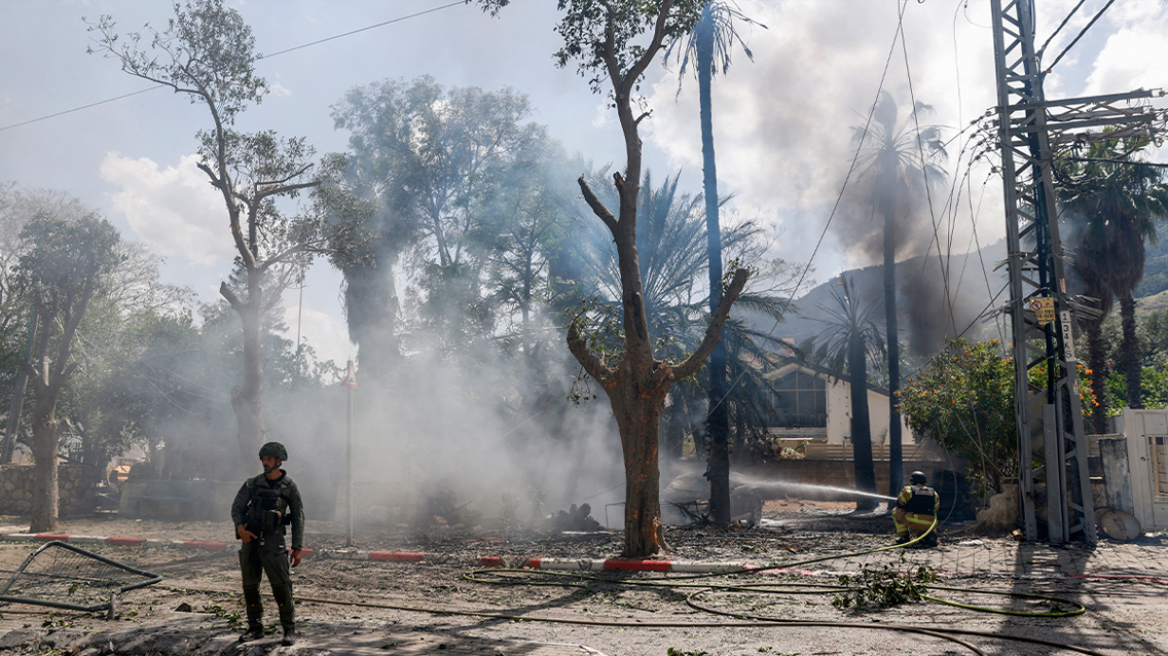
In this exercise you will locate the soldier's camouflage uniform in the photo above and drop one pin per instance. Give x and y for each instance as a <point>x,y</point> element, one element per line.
<point>269,555</point>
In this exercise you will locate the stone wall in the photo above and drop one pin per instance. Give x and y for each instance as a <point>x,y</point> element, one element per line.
<point>74,486</point>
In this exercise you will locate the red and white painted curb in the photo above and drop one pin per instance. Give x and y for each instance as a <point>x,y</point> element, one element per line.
<point>565,564</point>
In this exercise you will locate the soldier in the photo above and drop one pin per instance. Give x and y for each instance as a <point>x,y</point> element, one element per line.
<point>264,506</point>
<point>916,509</point>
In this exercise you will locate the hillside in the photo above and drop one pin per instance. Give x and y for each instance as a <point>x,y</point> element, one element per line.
<point>1155,269</point>
<point>924,314</point>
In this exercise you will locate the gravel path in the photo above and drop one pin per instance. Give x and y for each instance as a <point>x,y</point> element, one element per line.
<point>363,607</point>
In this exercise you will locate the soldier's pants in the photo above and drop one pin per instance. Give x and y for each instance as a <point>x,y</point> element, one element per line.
<point>905,522</point>
<point>270,559</point>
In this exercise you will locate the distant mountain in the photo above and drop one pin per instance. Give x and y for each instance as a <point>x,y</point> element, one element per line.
<point>925,316</point>
<point>1155,270</point>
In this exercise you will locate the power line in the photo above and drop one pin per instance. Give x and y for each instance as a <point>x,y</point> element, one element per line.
<point>363,29</point>
<point>1079,36</point>
<point>1060,27</point>
<point>838,200</point>
<point>925,173</point>
<point>77,109</point>
<point>258,57</point>
<point>1115,161</point>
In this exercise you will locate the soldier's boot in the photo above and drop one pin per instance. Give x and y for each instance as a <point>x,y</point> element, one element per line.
<point>252,633</point>
<point>283,595</point>
<point>289,636</point>
<point>255,614</point>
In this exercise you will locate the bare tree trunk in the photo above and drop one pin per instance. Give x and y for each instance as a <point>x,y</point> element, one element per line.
<point>861,423</point>
<point>636,387</point>
<point>895,457</point>
<point>371,309</point>
<point>637,411</point>
<point>717,417</point>
<point>45,431</point>
<point>637,383</point>
<point>1130,352</point>
<point>248,400</point>
<point>9,446</point>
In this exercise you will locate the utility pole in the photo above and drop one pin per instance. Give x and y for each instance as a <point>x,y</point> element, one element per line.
<point>1052,448</point>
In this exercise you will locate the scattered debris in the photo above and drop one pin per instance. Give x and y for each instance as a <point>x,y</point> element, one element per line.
<point>884,588</point>
<point>60,575</point>
<point>576,518</point>
<point>1002,514</point>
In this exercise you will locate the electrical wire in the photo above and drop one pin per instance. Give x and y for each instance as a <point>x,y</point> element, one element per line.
<point>258,57</point>
<point>1115,161</point>
<point>363,29</point>
<point>509,576</point>
<point>925,173</point>
<point>77,109</point>
<point>1077,37</point>
<point>1060,608</point>
<point>1059,28</point>
<point>834,209</point>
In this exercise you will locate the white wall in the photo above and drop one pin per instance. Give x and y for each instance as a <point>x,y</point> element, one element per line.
<point>839,414</point>
<point>1148,499</point>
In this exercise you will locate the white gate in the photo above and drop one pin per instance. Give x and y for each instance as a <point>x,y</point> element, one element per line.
<point>1147,448</point>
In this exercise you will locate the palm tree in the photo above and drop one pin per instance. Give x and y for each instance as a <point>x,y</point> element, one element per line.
<point>850,340</point>
<point>1116,202</point>
<point>897,163</point>
<point>672,254</point>
<point>711,44</point>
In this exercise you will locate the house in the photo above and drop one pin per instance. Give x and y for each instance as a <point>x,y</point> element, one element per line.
<point>814,403</point>
<point>811,422</point>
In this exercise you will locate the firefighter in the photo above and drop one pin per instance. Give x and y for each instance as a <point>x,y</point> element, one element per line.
<point>916,509</point>
<point>262,510</point>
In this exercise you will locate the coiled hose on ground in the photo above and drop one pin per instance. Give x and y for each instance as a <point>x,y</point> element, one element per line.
<point>512,577</point>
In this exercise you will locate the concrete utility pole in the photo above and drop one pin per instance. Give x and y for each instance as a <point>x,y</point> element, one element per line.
<point>1052,448</point>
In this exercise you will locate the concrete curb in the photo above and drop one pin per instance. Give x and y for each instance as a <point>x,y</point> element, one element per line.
<point>560,564</point>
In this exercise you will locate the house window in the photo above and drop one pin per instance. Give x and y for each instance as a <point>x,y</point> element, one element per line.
<point>800,401</point>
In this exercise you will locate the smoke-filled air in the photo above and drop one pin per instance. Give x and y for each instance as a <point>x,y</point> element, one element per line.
<point>441,195</point>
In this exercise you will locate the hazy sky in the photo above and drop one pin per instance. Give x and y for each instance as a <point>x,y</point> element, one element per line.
<point>782,122</point>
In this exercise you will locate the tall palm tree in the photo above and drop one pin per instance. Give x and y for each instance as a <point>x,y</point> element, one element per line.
<point>850,340</point>
<point>711,44</point>
<point>1116,202</point>
<point>897,159</point>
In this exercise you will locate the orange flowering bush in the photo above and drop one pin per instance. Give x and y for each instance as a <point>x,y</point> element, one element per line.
<point>964,400</point>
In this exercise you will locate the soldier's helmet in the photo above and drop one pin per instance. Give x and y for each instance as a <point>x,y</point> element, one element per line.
<point>275,450</point>
<point>917,477</point>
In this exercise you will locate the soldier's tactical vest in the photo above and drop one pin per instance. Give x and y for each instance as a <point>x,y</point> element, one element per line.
<point>922,501</point>
<point>267,509</point>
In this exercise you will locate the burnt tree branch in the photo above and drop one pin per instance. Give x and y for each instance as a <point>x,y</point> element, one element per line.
<point>714,330</point>
<point>578,346</point>
<point>597,206</point>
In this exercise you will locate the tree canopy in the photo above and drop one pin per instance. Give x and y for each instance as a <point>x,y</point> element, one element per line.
<point>207,52</point>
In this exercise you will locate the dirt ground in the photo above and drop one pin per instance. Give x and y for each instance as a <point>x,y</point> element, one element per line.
<point>363,607</point>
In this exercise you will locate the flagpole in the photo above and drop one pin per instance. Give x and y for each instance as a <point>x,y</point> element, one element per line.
<point>350,382</point>
<point>349,473</point>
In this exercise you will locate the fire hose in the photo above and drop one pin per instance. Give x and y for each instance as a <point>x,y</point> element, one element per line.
<point>509,577</point>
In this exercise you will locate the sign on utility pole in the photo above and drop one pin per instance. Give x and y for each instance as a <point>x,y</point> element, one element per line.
<point>1052,447</point>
